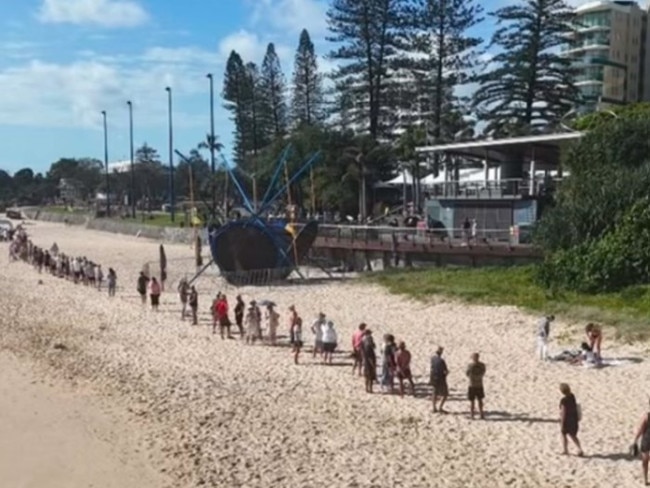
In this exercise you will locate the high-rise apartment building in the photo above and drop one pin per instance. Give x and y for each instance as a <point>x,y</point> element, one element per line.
<point>610,49</point>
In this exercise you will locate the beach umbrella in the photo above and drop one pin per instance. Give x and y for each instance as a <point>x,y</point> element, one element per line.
<point>197,251</point>
<point>163,266</point>
<point>266,303</point>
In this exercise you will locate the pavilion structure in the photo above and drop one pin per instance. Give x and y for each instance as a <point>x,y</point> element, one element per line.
<point>518,173</point>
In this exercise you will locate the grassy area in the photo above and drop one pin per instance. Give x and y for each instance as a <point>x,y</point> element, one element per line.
<point>65,210</point>
<point>156,219</point>
<point>627,311</point>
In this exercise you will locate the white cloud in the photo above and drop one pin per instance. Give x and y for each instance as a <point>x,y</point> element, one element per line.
<point>252,48</point>
<point>291,16</point>
<point>105,13</point>
<point>47,94</point>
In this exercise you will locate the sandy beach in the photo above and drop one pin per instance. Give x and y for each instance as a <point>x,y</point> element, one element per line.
<point>209,412</point>
<point>55,436</point>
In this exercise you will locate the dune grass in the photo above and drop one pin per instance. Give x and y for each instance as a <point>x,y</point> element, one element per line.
<point>627,311</point>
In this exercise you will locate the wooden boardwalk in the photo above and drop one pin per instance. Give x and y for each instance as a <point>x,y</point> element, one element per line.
<point>412,242</point>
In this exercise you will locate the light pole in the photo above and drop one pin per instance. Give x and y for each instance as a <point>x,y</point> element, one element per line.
<point>108,190</point>
<point>171,155</point>
<point>212,143</point>
<point>130,104</point>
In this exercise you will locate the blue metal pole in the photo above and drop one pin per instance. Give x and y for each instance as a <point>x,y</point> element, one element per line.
<point>298,174</point>
<point>276,175</point>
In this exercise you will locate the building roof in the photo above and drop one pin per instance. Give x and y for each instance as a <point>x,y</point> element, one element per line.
<point>544,149</point>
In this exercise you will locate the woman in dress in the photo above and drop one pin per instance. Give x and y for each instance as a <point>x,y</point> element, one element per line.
<point>252,324</point>
<point>569,419</point>
<point>369,360</point>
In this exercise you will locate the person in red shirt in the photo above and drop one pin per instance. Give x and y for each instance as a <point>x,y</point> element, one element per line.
<point>357,337</point>
<point>222,317</point>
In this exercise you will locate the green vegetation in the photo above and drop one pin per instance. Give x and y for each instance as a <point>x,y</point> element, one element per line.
<point>596,235</point>
<point>627,310</point>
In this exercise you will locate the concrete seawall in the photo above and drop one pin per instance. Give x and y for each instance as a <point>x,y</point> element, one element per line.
<point>163,234</point>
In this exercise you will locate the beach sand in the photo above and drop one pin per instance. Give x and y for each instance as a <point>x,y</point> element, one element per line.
<point>215,413</point>
<point>55,437</point>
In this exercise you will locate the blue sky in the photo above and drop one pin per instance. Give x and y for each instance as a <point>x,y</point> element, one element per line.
<point>64,61</point>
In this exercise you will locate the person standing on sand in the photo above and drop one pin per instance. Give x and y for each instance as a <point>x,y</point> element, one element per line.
<point>475,372</point>
<point>143,281</point>
<point>99,276</point>
<point>317,330</point>
<point>296,336</point>
<point>154,293</point>
<point>222,317</point>
<point>252,324</point>
<point>215,316</point>
<point>438,380</point>
<point>330,339</point>
<point>293,316</point>
<point>239,315</point>
<point>357,337</point>
<point>193,300</point>
<point>643,435</point>
<point>543,334</point>
<point>111,280</point>
<point>369,360</point>
<point>388,366</point>
<point>183,295</point>
<point>569,419</point>
<point>273,321</point>
<point>403,365</point>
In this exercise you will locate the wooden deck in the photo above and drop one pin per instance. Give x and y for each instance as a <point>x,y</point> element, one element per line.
<point>425,246</point>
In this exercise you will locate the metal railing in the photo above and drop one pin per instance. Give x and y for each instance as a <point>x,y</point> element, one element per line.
<point>418,235</point>
<point>488,189</point>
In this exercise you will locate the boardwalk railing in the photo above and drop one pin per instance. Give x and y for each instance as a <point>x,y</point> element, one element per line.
<point>422,235</point>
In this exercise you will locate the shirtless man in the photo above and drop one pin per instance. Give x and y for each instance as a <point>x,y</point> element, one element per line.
<point>403,360</point>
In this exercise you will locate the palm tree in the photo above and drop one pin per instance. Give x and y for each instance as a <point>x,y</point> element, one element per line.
<point>213,145</point>
<point>360,159</point>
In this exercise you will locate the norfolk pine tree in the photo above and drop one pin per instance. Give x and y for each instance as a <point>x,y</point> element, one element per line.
<point>368,34</point>
<point>448,55</point>
<point>531,85</point>
<point>307,99</point>
<point>273,91</point>
<point>234,97</point>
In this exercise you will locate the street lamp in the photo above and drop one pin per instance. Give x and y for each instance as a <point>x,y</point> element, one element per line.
<point>212,143</point>
<point>108,190</point>
<point>171,155</point>
<point>130,104</point>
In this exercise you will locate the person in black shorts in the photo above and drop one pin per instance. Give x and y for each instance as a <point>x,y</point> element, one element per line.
<point>475,372</point>
<point>438,380</point>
